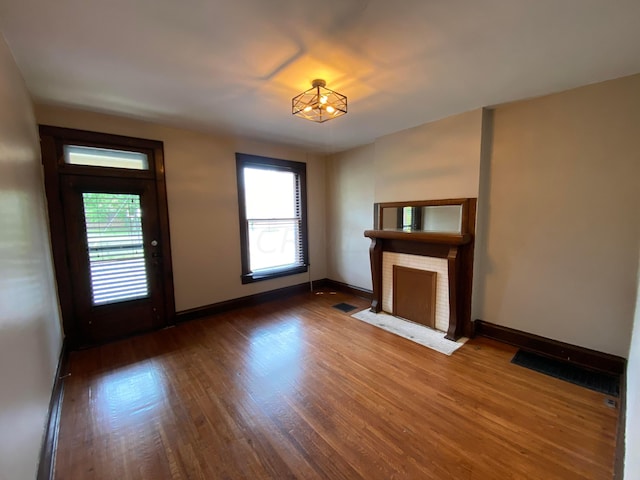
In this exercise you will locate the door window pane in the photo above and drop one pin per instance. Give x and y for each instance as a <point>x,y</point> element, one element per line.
<point>116,250</point>
<point>104,157</point>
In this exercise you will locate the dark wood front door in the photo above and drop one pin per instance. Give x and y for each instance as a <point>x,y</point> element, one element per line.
<point>114,255</point>
<point>109,228</point>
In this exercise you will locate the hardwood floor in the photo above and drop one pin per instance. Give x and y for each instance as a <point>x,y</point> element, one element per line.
<point>297,389</point>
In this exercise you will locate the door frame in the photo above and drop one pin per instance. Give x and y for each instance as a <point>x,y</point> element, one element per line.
<point>52,140</point>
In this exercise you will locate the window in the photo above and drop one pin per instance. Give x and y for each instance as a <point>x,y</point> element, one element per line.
<point>113,222</point>
<point>409,218</point>
<point>273,217</point>
<point>105,157</point>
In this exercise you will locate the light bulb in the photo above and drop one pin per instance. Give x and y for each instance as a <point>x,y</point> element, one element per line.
<point>330,109</point>
<point>324,99</point>
<point>307,108</point>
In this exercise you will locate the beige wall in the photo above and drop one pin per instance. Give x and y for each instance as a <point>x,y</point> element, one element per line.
<point>560,247</point>
<point>432,161</point>
<point>30,334</point>
<point>350,198</point>
<point>203,204</point>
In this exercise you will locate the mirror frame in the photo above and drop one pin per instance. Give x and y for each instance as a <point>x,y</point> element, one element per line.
<point>467,204</point>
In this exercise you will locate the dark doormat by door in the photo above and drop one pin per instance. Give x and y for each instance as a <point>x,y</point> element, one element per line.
<point>598,381</point>
<point>345,307</point>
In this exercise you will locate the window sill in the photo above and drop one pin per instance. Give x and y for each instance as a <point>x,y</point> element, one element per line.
<point>252,277</point>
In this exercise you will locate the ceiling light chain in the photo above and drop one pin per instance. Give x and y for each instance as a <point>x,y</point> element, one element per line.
<point>319,104</point>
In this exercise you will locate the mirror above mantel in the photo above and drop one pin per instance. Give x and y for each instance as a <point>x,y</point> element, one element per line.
<point>429,216</point>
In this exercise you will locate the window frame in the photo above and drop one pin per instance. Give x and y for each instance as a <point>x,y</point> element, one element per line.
<point>266,163</point>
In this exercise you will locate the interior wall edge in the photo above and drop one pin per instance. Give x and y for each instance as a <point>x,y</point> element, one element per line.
<point>52,427</point>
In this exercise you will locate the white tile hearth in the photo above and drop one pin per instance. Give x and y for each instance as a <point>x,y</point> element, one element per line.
<point>415,332</point>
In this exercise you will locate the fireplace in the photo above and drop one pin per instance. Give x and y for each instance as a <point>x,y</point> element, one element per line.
<point>416,288</point>
<point>435,268</point>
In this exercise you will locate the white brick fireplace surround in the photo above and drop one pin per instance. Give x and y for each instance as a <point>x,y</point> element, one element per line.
<point>439,265</point>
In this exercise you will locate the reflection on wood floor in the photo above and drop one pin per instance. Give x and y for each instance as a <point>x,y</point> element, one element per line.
<point>297,389</point>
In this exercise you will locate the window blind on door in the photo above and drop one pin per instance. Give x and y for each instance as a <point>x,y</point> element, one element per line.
<point>113,223</point>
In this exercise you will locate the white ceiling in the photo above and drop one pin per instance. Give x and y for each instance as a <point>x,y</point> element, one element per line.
<point>233,66</point>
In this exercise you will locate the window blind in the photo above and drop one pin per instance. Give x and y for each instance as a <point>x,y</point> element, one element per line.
<point>115,247</point>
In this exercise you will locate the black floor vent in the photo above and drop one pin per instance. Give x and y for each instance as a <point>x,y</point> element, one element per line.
<point>598,381</point>
<point>345,307</point>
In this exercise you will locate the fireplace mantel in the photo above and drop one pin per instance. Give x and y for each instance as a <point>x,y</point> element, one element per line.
<point>456,248</point>
<point>422,237</point>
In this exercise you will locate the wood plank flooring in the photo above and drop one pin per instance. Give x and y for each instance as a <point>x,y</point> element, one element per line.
<point>297,389</point>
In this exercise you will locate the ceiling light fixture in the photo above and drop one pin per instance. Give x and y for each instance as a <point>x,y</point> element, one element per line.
<point>319,104</point>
